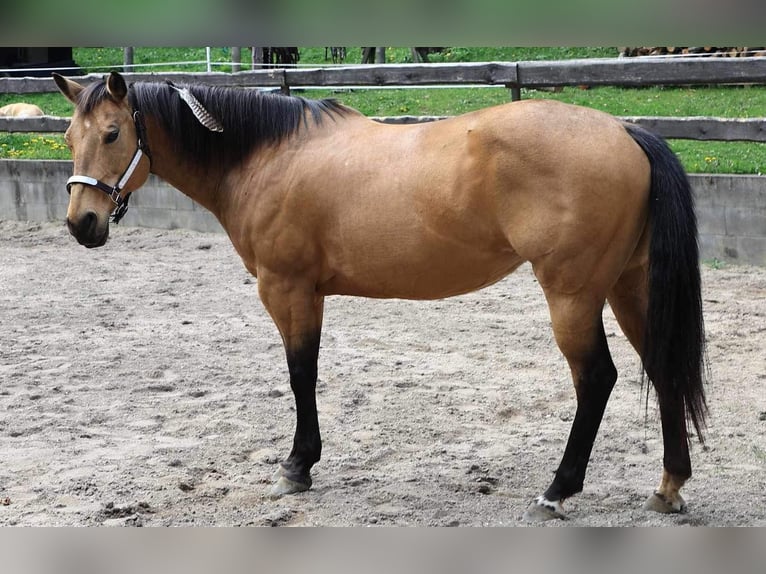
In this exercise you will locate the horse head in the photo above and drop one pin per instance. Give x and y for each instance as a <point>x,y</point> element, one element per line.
<point>109,153</point>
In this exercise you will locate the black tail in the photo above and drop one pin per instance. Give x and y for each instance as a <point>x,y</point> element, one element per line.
<point>674,348</point>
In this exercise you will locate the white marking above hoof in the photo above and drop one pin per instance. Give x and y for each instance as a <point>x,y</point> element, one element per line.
<point>284,486</point>
<point>280,472</point>
<point>659,503</point>
<point>542,510</point>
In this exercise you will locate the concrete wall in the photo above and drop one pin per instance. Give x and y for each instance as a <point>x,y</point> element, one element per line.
<point>36,191</point>
<point>731,209</point>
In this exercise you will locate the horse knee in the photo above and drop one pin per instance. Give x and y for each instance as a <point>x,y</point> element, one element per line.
<point>568,481</point>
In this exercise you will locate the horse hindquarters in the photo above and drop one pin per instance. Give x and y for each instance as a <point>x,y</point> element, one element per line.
<point>655,295</point>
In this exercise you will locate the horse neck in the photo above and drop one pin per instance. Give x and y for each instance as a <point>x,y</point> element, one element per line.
<point>199,183</point>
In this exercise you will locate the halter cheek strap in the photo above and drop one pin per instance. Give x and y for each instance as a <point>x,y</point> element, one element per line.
<point>114,192</point>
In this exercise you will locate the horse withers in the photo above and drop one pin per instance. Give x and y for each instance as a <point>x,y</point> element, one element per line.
<point>601,209</point>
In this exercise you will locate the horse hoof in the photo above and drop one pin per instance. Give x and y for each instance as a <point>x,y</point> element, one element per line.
<point>659,503</point>
<point>542,510</point>
<point>284,485</point>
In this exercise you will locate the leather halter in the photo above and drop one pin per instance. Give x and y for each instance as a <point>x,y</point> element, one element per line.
<point>115,192</point>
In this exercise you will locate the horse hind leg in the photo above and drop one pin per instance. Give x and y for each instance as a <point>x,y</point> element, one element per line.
<point>629,302</point>
<point>579,332</point>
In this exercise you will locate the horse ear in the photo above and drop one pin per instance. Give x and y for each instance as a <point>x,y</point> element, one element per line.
<point>115,86</point>
<point>67,87</point>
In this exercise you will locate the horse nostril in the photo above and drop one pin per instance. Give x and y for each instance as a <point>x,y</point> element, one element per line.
<point>85,228</point>
<point>88,222</point>
<point>84,225</point>
<point>75,227</point>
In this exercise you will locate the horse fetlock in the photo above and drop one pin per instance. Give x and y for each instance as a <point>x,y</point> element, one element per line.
<point>300,472</point>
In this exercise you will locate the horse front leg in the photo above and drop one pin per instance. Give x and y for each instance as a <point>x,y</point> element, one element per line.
<point>297,311</point>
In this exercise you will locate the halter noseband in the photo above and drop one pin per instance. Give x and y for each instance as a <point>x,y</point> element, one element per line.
<point>114,192</point>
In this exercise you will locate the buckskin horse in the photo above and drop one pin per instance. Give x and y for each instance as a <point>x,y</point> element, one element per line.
<point>600,208</point>
<point>20,110</point>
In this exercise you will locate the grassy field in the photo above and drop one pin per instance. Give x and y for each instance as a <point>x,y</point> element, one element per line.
<point>699,157</point>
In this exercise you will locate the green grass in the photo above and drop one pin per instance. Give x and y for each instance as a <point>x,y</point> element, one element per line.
<point>33,146</point>
<point>697,156</point>
<point>714,263</point>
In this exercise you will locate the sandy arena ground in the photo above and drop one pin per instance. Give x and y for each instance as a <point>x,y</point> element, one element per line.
<point>143,383</point>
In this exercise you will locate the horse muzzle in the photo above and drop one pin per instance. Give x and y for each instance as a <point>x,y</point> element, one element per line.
<point>88,230</point>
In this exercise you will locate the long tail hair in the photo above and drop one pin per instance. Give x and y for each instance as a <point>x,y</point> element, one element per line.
<point>674,346</point>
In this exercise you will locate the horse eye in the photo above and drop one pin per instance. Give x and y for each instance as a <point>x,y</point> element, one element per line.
<point>111,137</point>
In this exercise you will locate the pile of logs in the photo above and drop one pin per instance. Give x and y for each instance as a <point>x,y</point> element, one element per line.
<point>730,52</point>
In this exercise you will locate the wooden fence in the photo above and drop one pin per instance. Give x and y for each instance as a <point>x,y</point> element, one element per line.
<point>628,72</point>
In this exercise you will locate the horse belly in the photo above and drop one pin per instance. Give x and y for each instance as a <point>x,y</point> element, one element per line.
<point>393,270</point>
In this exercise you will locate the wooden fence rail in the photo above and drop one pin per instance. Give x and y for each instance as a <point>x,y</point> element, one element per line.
<point>535,74</point>
<point>631,72</point>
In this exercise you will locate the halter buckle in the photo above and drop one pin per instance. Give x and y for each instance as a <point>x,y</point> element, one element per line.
<point>120,211</point>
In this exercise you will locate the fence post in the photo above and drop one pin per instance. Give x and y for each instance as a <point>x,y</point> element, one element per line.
<point>284,88</point>
<point>127,59</point>
<point>515,92</point>
<point>236,59</point>
<point>257,58</point>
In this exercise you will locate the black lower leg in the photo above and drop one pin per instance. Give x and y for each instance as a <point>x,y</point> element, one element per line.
<point>307,444</point>
<point>594,385</point>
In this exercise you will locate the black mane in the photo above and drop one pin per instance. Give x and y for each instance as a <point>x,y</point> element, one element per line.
<point>250,118</point>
